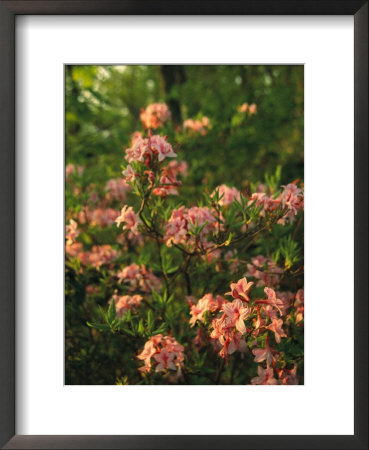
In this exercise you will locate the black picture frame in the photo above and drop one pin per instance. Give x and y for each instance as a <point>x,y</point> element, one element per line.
<point>8,12</point>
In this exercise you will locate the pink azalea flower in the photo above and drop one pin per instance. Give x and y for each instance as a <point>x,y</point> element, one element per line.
<point>263,354</point>
<point>148,281</point>
<point>184,220</point>
<point>166,351</point>
<point>129,174</point>
<point>161,147</point>
<point>265,376</point>
<point>117,189</point>
<point>139,277</point>
<point>168,186</point>
<point>272,300</point>
<point>139,150</point>
<point>232,343</point>
<point>165,360</point>
<point>262,200</point>
<point>175,168</point>
<point>69,170</point>
<point>227,195</point>
<point>237,313</point>
<point>276,327</point>
<point>71,231</point>
<point>125,302</point>
<point>288,376</point>
<point>102,217</point>
<point>197,126</point>
<point>99,255</point>
<point>240,289</point>
<point>206,303</point>
<point>131,272</point>
<point>258,322</point>
<point>129,218</point>
<point>155,115</point>
<point>147,353</point>
<point>74,249</point>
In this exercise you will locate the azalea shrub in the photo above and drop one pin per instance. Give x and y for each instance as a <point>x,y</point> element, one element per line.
<point>178,275</point>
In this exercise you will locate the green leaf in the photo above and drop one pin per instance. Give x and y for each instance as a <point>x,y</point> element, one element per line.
<point>98,326</point>
<point>111,315</point>
<point>160,330</point>
<point>141,329</point>
<point>150,320</point>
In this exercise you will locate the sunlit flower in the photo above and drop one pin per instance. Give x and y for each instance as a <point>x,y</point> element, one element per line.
<point>166,352</point>
<point>129,218</point>
<point>237,313</point>
<point>129,174</point>
<point>272,300</point>
<point>161,147</point>
<point>226,194</point>
<point>155,115</point>
<point>71,231</point>
<point>206,303</point>
<point>125,302</point>
<point>240,289</point>
<point>164,360</point>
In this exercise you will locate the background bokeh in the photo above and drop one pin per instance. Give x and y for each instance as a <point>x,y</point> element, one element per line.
<point>103,107</point>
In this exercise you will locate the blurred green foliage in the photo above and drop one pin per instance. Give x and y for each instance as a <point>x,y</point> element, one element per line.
<point>103,108</point>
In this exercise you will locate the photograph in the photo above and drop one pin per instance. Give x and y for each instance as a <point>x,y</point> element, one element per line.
<point>184,225</point>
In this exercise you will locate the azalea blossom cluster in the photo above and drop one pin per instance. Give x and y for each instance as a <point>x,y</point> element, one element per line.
<point>226,195</point>
<point>197,126</point>
<point>162,352</point>
<point>139,278</point>
<point>271,316</point>
<point>183,221</point>
<point>291,198</point>
<point>205,304</point>
<point>96,257</point>
<point>229,331</point>
<point>125,302</point>
<point>100,216</point>
<point>146,149</point>
<point>129,218</point>
<point>266,375</point>
<point>155,115</point>
<point>169,183</point>
<point>229,327</point>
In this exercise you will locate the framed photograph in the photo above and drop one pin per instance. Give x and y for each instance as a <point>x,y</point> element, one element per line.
<point>184,238</point>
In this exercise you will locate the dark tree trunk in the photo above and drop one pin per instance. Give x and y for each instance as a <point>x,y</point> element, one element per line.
<point>173,75</point>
